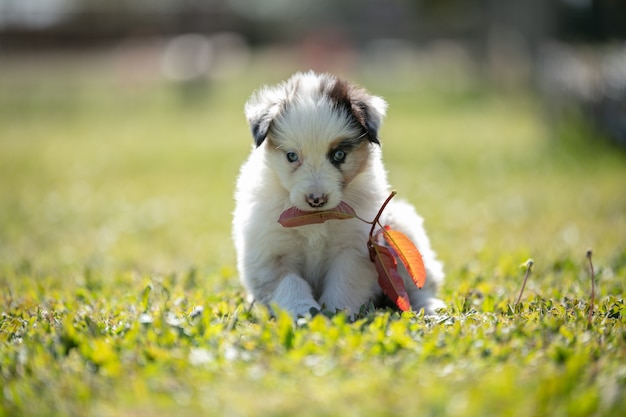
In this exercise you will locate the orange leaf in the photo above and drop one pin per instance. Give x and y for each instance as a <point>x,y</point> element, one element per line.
<point>294,217</point>
<point>389,279</point>
<point>408,254</point>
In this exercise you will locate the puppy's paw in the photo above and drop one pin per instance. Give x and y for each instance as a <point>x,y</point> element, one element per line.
<point>431,306</point>
<point>303,310</point>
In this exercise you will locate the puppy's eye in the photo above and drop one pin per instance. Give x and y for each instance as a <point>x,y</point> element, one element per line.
<point>339,156</point>
<point>292,156</point>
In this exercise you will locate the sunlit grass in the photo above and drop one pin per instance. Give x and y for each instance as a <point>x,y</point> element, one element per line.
<point>115,212</point>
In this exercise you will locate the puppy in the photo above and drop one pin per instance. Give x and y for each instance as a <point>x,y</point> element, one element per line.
<point>315,145</point>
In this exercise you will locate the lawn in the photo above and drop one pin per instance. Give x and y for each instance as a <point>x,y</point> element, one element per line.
<point>120,296</point>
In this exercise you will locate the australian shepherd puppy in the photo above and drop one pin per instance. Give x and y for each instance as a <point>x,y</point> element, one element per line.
<point>316,144</point>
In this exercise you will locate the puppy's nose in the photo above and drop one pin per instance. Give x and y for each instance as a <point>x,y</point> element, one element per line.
<point>316,201</point>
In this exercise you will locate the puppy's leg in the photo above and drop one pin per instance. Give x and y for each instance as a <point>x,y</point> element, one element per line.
<point>350,282</point>
<point>421,299</point>
<point>294,294</point>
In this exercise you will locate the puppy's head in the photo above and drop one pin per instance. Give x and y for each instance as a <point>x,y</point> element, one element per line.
<point>317,131</point>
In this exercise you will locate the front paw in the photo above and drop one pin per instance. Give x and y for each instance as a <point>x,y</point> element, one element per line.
<point>297,310</point>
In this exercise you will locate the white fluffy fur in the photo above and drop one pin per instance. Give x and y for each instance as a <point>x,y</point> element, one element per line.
<point>322,265</point>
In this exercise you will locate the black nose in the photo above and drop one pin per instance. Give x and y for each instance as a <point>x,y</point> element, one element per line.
<point>316,201</point>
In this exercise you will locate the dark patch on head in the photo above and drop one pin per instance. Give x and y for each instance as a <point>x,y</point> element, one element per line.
<point>353,102</point>
<point>260,127</point>
<point>262,123</point>
<point>363,114</point>
<point>340,95</point>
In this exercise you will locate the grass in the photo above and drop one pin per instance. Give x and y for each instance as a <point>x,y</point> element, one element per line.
<point>119,294</point>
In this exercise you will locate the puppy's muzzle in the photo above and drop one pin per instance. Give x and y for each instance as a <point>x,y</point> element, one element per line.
<point>316,200</point>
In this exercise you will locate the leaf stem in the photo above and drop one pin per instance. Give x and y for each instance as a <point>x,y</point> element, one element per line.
<point>380,212</point>
<point>362,219</point>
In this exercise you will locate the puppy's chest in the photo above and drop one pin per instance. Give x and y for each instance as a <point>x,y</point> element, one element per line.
<point>314,249</point>
<point>315,243</point>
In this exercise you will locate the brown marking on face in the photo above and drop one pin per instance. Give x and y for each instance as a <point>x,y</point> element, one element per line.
<point>357,158</point>
<point>346,143</point>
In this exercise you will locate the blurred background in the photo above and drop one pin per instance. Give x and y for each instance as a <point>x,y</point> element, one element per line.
<point>576,45</point>
<point>122,130</point>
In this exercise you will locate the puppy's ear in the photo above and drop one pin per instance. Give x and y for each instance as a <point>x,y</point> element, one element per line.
<point>369,111</point>
<point>260,110</point>
<point>366,109</point>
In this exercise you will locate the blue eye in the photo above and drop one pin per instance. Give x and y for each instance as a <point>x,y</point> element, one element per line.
<point>339,156</point>
<point>292,156</point>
